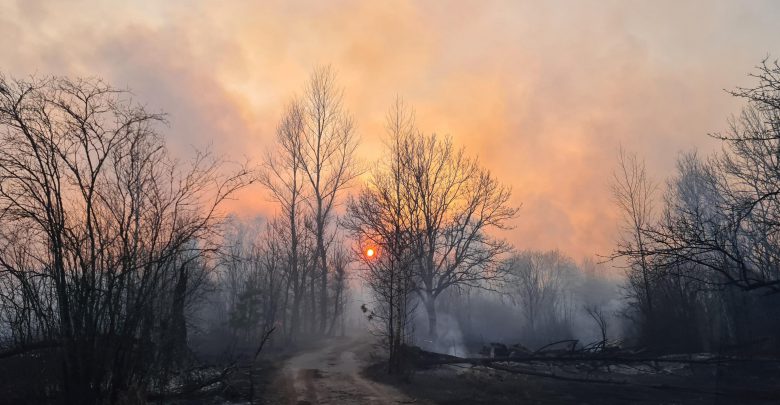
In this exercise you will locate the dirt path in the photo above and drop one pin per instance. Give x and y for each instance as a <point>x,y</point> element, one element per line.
<point>331,374</point>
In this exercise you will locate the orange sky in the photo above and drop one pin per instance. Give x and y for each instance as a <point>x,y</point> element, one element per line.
<point>544,94</point>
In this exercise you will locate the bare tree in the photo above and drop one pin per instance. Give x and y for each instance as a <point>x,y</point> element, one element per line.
<point>633,192</point>
<point>326,155</point>
<point>113,229</point>
<point>444,204</point>
<point>253,277</point>
<point>340,261</point>
<point>380,219</point>
<point>725,217</point>
<point>715,249</point>
<point>283,175</point>
<point>597,314</point>
<point>541,283</point>
<point>457,202</point>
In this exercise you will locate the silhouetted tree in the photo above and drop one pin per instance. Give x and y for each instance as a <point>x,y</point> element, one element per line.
<point>326,155</point>
<point>633,192</point>
<point>111,232</point>
<point>542,284</point>
<point>283,176</point>
<point>457,203</point>
<point>381,218</point>
<point>447,205</point>
<point>716,241</point>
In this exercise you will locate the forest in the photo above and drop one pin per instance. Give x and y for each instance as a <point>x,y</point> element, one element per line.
<point>124,279</point>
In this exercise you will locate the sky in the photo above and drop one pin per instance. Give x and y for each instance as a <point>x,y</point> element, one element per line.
<point>543,93</point>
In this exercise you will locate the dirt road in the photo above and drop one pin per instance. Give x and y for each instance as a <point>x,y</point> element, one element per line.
<point>331,374</point>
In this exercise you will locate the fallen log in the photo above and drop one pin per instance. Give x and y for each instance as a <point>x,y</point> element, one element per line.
<point>432,361</point>
<point>554,376</point>
<point>729,392</point>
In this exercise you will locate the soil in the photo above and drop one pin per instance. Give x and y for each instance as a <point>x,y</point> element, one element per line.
<point>333,374</point>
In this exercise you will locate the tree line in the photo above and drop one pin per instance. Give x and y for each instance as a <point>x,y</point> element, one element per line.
<point>292,274</point>
<point>109,245</point>
<point>104,238</point>
<point>702,251</point>
<point>112,251</point>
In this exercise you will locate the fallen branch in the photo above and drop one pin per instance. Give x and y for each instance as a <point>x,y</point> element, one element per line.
<point>590,358</point>
<point>502,364</point>
<point>573,343</point>
<point>266,337</point>
<point>193,388</point>
<point>552,375</point>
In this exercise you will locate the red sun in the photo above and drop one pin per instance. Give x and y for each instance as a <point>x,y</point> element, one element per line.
<point>370,252</point>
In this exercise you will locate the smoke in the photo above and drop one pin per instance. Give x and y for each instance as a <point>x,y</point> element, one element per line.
<point>470,319</point>
<point>450,336</point>
<point>525,85</point>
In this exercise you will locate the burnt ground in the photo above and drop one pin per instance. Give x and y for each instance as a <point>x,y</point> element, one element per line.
<point>347,371</point>
<point>466,384</point>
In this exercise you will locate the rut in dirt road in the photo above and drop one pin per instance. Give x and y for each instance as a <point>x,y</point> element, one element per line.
<point>332,375</point>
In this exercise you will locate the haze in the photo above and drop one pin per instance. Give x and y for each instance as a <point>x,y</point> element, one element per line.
<point>543,93</point>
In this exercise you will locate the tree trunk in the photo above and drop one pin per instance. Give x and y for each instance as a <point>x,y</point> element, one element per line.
<point>337,309</point>
<point>178,340</point>
<point>313,302</point>
<point>323,292</point>
<point>430,308</point>
<point>295,319</point>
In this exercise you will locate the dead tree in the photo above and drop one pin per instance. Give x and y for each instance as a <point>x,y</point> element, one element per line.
<point>633,192</point>
<point>379,220</point>
<point>283,176</point>
<point>254,279</point>
<point>735,238</point>
<point>456,204</point>
<point>340,261</point>
<point>109,219</point>
<point>541,284</point>
<point>326,155</point>
<point>597,314</point>
<point>715,243</point>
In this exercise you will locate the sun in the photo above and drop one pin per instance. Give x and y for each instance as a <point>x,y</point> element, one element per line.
<point>370,252</point>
